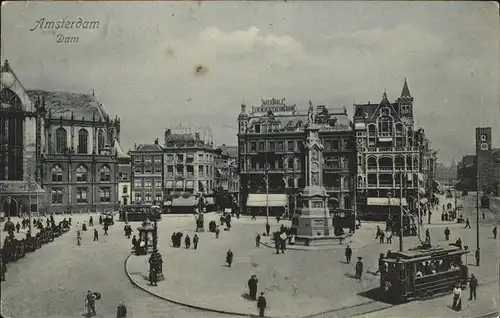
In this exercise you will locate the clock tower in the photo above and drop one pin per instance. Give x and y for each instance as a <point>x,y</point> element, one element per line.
<point>483,157</point>
<point>405,106</point>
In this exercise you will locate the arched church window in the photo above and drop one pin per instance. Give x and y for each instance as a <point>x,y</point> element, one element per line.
<point>289,163</point>
<point>56,173</point>
<point>105,173</point>
<point>82,173</point>
<point>61,140</point>
<point>8,97</point>
<point>83,137</point>
<point>100,140</point>
<point>385,124</point>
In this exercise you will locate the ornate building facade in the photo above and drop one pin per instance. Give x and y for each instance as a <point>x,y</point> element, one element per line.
<point>147,174</point>
<point>271,151</point>
<point>389,151</point>
<point>59,143</point>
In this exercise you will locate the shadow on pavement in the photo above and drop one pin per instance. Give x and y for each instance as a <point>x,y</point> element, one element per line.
<point>378,295</point>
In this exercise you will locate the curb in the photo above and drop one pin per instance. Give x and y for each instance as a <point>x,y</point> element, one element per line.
<point>267,244</point>
<point>182,303</point>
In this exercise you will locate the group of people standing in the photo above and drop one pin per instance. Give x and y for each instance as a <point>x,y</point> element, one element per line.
<point>177,240</point>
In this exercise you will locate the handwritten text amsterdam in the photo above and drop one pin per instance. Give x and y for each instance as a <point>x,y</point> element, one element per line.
<point>64,24</point>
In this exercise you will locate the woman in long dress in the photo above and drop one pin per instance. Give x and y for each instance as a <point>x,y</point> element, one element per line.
<point>457,298</point>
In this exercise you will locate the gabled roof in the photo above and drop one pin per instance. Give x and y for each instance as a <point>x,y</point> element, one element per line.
<point>64,104</point>
<point>149,147</point>
<point>118,150</point>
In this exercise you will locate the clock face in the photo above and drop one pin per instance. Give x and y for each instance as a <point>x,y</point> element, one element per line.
<point>484,138</point>
<point>484,146</point>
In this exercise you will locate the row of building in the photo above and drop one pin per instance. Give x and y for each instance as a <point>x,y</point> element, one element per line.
<point>482,168</point>
<point>61,151</point>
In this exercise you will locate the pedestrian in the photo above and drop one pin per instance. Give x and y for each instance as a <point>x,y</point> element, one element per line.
<point>173,238</point>
<point>96,235</point>
<point>268,228</point>
<point>495,233</point>
<point>134,242</point>
<point>447,233</point>
<point>378,232</point>
<point>217,232</point>
<point>483,215</point>
<point>282,245</point>
<point>381,265</point>
<point>253,215</point>
<point>90,303</point>
<point>261,304</point>
<point>121,311</point>
<point>257,240</point>
<point>467,224</point>
<point>195,241</point>
<point>457,298</point>
<point>18,227</point>
<point>473,286</point>
<point>359,268</point>
<point>477,256</point>
<point>187,241</point>
<point>77,226</point>
<point>278,219</point>
<point>100,219</point>
<point>78,238</point>
<point>276,244</point>
<point>91,221</point>
<point>348,254</point>
<point>105,229</point>
<point>153,279</point>
<point>381,237</point>
<point>229,258</point>
<point>252,287</point>
<point>389,237</point>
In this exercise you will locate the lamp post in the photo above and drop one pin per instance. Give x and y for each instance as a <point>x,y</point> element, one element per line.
<point>389,195</point>
<point>401,223</point>
<point>477,210</point>
<point>156,261</point>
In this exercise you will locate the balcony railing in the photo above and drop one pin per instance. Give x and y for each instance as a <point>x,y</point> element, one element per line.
<point>392,149</point>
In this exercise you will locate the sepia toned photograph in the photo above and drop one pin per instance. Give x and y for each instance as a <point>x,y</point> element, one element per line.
<point>276,159</point>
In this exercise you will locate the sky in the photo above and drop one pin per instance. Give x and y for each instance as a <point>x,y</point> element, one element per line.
<point>160,64</point>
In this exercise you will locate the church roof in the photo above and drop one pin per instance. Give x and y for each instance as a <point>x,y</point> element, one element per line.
<point>118,150</point>
<point>65,103</point>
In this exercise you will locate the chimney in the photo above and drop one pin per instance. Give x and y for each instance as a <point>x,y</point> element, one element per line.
<point>243,108</point>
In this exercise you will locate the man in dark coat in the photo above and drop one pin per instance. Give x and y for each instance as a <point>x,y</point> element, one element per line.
<point>447,233</point>
<point>18,227</point>
<point>91,221</point>
<point>173,238</point>
<point>153,279</point>
<point>134,242</point>
<point>473,286</point>
<point>467,224</point>
<point>229,258</point>
<point>195,241</point>
<point>495,233</point>
<point>348,254</point>
<point>359,268</point>
<point>257,240</point>
<point>106,229</point>
<point>121,311</point>
<point>187,241</point>
<point>261,304</point>
<point>252,287</point>
<point>268,228</point>
<point>96,235</point>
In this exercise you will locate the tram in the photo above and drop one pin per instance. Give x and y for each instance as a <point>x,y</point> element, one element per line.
<point>421,273</point>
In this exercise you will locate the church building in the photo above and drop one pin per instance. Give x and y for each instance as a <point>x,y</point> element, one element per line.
<point>58,151</point>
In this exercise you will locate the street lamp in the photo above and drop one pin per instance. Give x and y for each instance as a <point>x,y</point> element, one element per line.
<point>266,176</point>
<point>156,261</point>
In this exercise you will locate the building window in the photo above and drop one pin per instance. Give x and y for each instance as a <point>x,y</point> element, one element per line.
<point>289,163</point>
<point>335,144</point>
<point>180,157</point>
<point>257,128</point>
<point>170,157</point>
<point>100,140</point>
<point>157,160</point>
<point>253,146</point>
<point>148,196</point>
<point>347,144</point>
<point>61,140</point>
<point>81,195</point>
<point>385,124</point>
<point>138,170</point>
<point>158,184</point>
<point>148,169</point>
<point>280,146</point>
<point>291,146</point>
<point>279,164</point>
<point>105,194</point>
<point>82,174</point>
<point>200,156</point>
<point>170,169</point>
<point>125,189</point>
<point>180,169</point>
<point>158,169</point>
<point>148,160</point>
<point>83,137</point>
<point>138,197</point>
<point>158,197</point>
<point>261,146</point>
<point>57,196</point>
<point>200,169</point>
<point>271,146</point>
<point>137,159</point>
<point>138,183</point>
<point>105,174</point>
<point>147,183</point>
<point>57,173</point>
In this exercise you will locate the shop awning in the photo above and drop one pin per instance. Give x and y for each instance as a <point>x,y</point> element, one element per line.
<point>385,201</point>
<point>169,184</point>
<point>180,201</point>
<point>260,200</point>
<point>190,184</point>
<point>167,203</point>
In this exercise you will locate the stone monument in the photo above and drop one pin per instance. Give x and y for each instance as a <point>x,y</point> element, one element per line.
<point>314,225</point>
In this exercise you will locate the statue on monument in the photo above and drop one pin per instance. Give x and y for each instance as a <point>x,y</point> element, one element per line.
<point>315,179</point>
<point>311,115</point>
